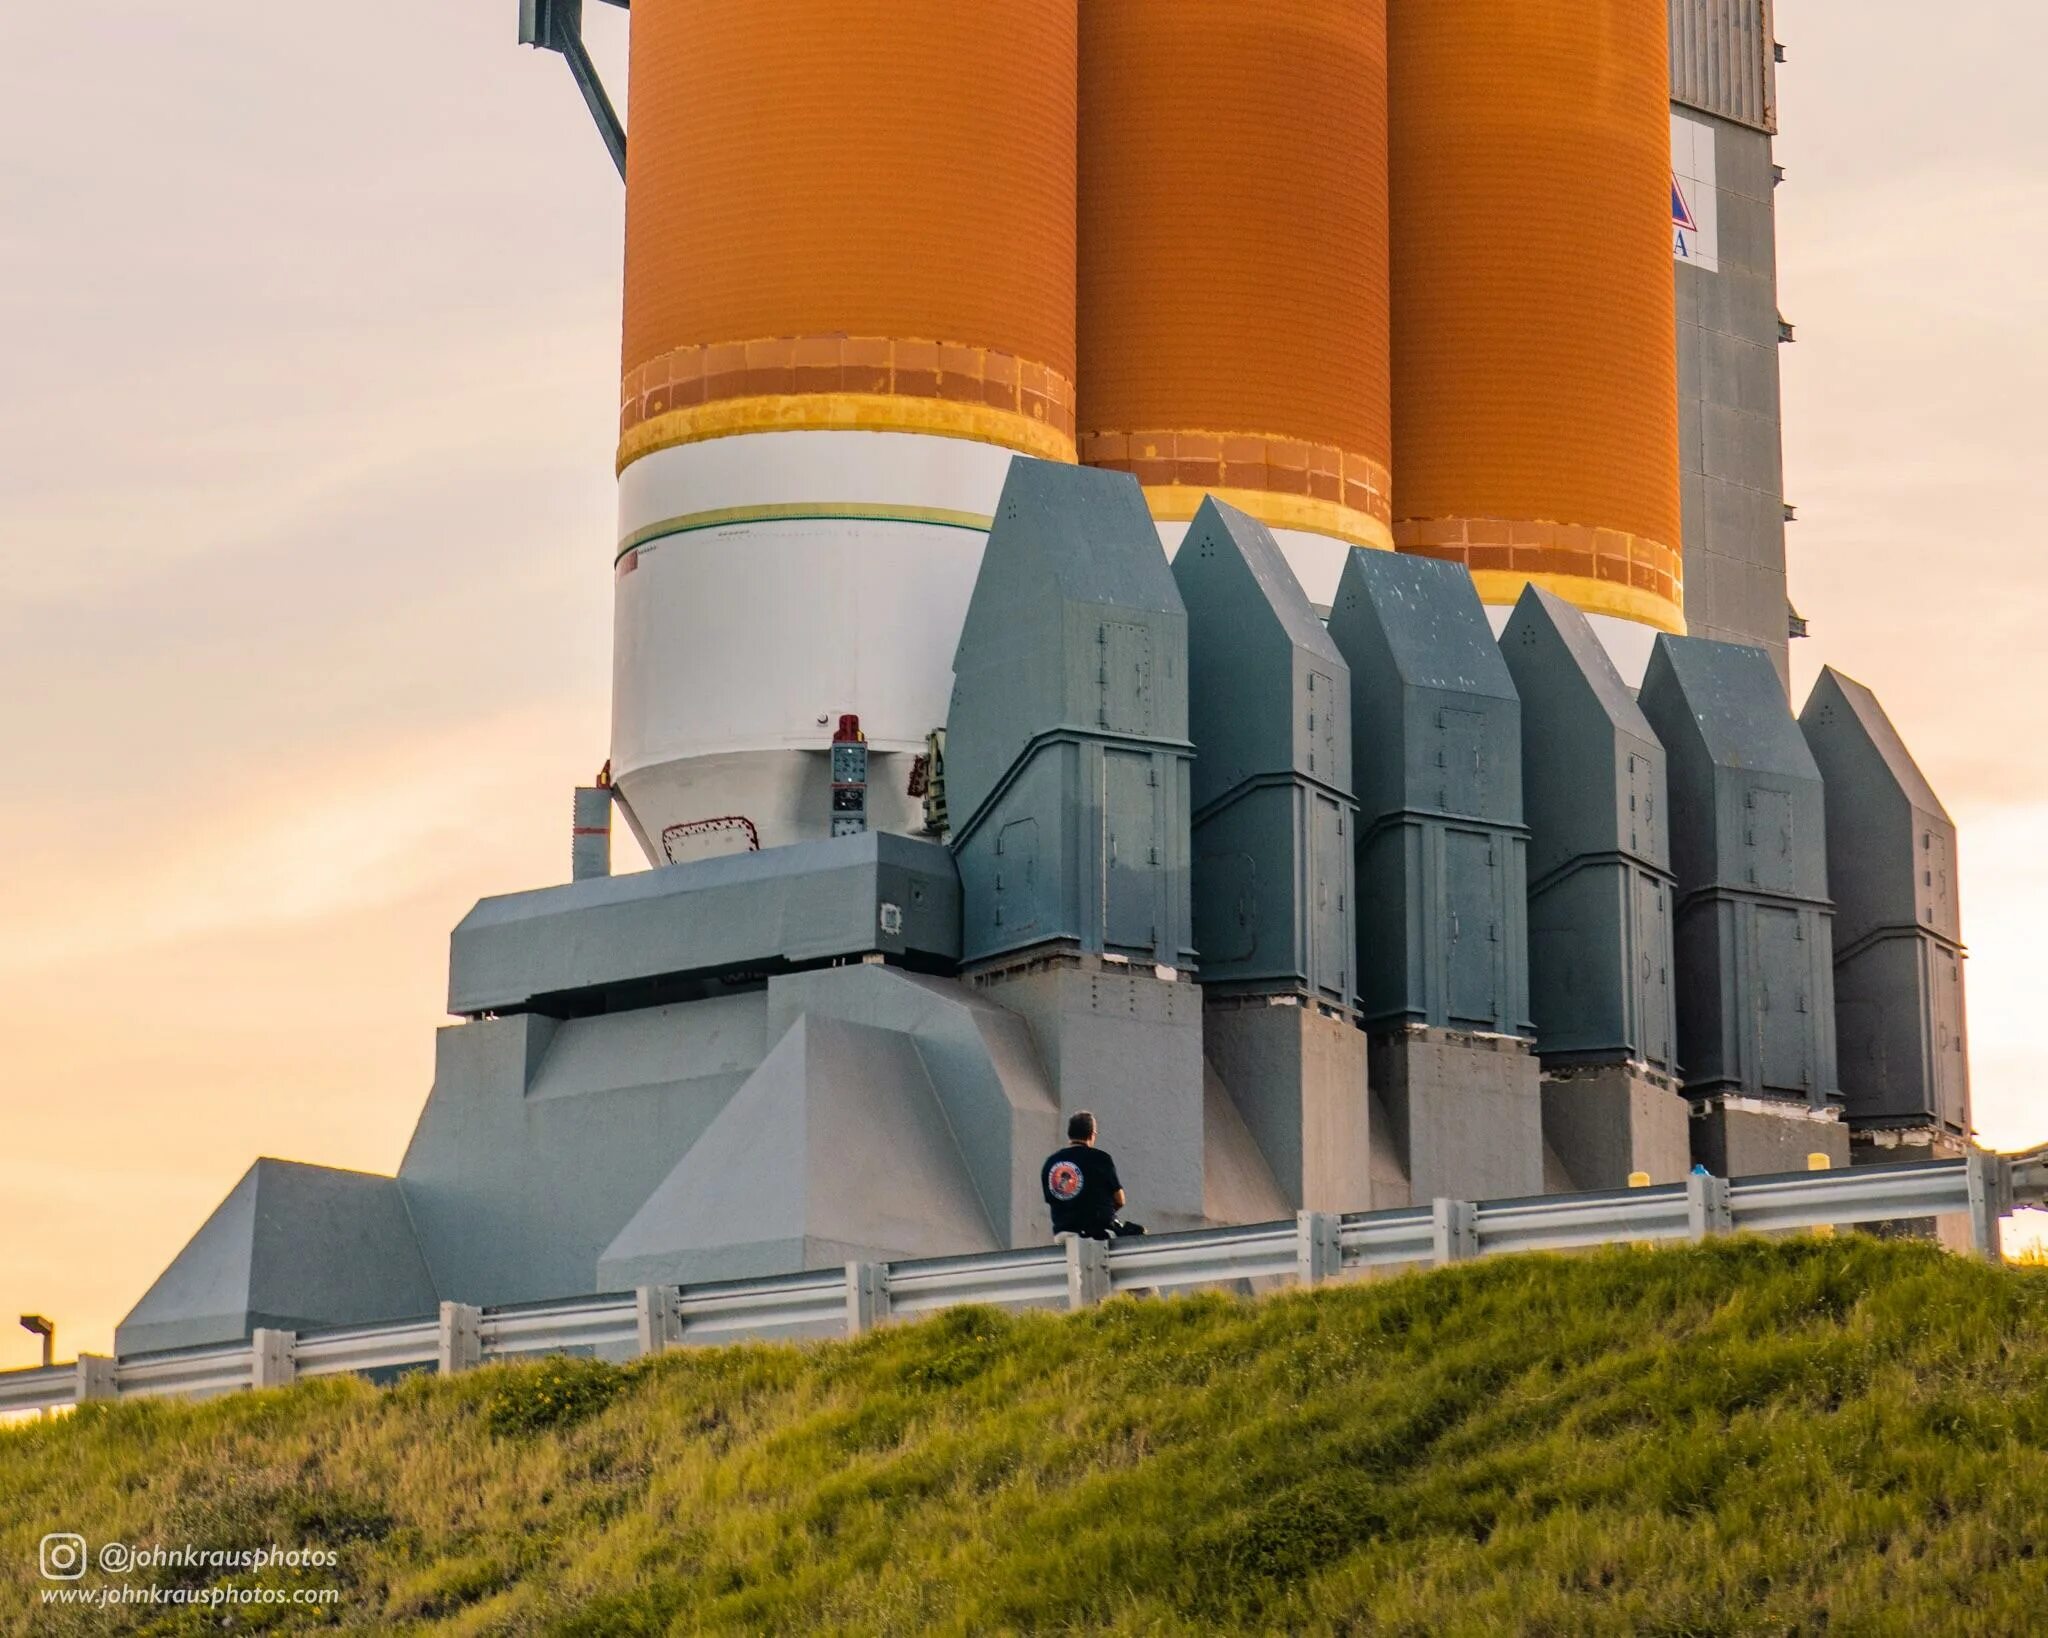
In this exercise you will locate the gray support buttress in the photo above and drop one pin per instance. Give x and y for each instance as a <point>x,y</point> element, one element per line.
<point>1898,929</point>
<point>1437,767</point>
<point>1594,790</point>
<point>1753,931</point>
<point>1067,750</point>
<point>1269,710</point>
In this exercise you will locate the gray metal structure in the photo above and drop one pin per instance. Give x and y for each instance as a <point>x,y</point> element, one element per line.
<point>1752,934</point>
<point>292,1247</point>
<point>1594,792</point>
<point>1436,734</point>
<point>1730,424</point>
<point>557,25</point>
<point>1067,752</point>
<point>611,943</point>
<point>1269,706</point>
<point>1898,927</point>
<point>1269,711</point>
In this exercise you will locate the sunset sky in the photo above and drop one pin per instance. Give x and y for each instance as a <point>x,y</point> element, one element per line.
<point>308,349</point>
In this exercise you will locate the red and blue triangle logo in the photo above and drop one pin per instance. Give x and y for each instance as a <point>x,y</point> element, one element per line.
<point>1681,212</point>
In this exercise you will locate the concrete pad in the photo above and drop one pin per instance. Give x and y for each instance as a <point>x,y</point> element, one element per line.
<point>1127,1044</point>
<point>1750,1137</point>
<point>1602,1124</point>
<point>540,1139</point>
<point>292,1248</point>
<point>1238,1186</point>
<point>1466,1112</point>
<point>836,1149</point>
<point>982,1064</point>
<point>1297,1076</point>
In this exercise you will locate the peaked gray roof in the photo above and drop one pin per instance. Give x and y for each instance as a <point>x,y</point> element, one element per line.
<point>1067,531</point>
<point>1564,624</point>
<point>1733,701</point>
<point>1245,545</point>
<point>1429,621</point>
<point>1857,706</point>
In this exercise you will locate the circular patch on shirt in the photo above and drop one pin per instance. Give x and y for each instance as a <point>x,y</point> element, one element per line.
<point>1064,1180</point>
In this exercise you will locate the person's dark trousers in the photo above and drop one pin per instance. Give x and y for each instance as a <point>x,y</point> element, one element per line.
<point>1113,1231</point>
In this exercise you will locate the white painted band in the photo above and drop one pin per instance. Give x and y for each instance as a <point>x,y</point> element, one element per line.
<point>825,470</point>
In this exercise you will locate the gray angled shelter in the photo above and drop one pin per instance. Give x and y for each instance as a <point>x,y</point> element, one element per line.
<point>1898,926</point>
<point>1752,935</point>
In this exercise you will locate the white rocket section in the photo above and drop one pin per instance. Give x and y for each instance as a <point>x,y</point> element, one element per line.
<point>1317,560</point>
<point>768,582</point>
<point>1628,642</point>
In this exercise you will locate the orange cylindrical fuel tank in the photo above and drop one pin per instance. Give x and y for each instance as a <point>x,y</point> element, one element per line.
<point>1535,372</point>
<point>849,299</point>
<point>1233,264</point>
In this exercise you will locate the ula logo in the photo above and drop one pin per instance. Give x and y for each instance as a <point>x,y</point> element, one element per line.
<point>63,1556</point>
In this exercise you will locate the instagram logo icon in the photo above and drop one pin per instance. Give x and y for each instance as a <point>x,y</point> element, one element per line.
<point>63,1556</point>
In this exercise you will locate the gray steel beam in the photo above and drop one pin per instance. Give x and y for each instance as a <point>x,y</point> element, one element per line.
<point>557,25</point>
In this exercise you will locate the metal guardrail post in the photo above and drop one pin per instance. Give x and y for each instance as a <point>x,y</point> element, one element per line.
<point>657,1318</point>
<point>1991,1197</point>
<point>1454,1230</point>
<point>1319,1249</point>
<point>461,1342</point>
<point>1706,1206</point>
<point>96,1379</point>
<point>1087,1271</point>
<point>271,1364</point>
<point>867,1297</point>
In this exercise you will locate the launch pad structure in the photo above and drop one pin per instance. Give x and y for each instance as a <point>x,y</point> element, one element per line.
<point>1125,599</point>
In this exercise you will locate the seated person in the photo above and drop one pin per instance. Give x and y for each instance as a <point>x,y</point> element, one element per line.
<point>1081,1186</point>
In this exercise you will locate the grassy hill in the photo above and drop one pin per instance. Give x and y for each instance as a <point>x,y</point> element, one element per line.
<point>1749,1437</point>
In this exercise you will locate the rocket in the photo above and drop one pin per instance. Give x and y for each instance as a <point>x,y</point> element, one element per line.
<point>1383,274</point>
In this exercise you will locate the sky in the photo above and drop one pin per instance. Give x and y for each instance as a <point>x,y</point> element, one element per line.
<point>308,349</point>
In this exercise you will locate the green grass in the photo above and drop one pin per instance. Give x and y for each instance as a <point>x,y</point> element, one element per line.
<point>1785,1437</point>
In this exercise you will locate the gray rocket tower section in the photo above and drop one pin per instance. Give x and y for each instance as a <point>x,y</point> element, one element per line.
<point>1753,931</point>
<point>1067,738</point>
<point>1443,969</point>
<point>1898,929</point>
<point>1600,961</point>
<point>1269,708</point>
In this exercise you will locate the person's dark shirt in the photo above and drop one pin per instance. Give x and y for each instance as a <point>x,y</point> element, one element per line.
<point>1080,1184</point>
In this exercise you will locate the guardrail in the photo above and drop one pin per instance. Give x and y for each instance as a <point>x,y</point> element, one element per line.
<point>1317,1246</point>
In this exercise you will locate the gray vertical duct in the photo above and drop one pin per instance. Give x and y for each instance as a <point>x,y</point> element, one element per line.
<point>1594,791</point>
<point>1443,970</point>
<point>1898,928</point>
<point>1753,932</point>
<point>1269,710</point>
